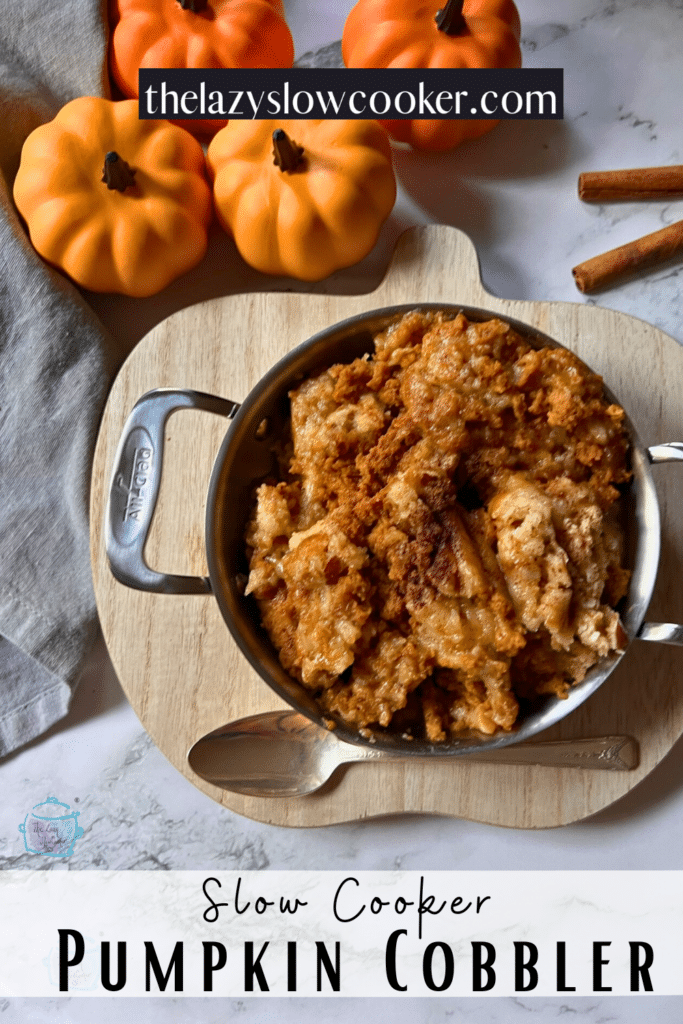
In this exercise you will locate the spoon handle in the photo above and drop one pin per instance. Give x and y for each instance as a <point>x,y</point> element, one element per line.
<point>610,753</point>
<point>607,753</point>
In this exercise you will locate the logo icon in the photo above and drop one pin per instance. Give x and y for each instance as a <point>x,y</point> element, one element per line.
<point>51,829</point>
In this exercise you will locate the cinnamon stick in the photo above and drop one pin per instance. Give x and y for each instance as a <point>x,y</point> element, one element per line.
<point>647,251</point>
<point>636,183</point>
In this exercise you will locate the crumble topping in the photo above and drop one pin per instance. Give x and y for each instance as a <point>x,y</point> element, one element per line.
<point>444,539</point>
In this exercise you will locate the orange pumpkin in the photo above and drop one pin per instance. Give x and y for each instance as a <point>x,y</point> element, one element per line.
<point>416,34</point>
<point>119,204</point>
<point>196,34</point>
<point>302,198</point>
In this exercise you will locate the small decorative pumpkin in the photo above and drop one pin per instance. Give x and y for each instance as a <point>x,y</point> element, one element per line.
<point>414,34</point>
<point>119,204</point>
<point>196,34</point>
<point>302,198</point>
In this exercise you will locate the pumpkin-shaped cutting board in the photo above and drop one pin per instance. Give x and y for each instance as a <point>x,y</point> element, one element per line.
<point>179,665</point>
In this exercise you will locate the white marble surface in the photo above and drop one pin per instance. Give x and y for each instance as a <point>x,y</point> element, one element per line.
<point>514,192</point>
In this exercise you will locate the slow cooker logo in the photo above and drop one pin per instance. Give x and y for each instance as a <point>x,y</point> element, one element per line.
<point>51,829</point>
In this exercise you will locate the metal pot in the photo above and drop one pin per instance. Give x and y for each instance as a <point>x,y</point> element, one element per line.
<point>245,458</point>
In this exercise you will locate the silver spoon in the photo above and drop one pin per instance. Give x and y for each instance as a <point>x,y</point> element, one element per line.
<point>282,753</point>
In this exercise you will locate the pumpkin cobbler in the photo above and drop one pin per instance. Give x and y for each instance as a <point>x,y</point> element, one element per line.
<point>444,539</point>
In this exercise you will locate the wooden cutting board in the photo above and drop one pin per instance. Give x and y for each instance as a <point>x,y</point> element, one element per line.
<point>175,658</point>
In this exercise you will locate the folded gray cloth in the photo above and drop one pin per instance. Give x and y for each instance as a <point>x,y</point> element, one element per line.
<point>54,371</point>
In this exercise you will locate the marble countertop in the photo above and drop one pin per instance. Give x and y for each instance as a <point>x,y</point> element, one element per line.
<point>514,193</point>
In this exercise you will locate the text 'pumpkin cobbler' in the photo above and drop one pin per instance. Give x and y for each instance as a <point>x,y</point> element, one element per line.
<point>444,539</point>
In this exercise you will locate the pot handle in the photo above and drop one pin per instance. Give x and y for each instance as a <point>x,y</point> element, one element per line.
<point>663,632</point>
<point>134,489</point>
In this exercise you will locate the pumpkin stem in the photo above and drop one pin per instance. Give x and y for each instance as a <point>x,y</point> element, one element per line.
<point>450,19</point>
<point>196,6</point>
<point>117,173</point>
<point>286,154</point>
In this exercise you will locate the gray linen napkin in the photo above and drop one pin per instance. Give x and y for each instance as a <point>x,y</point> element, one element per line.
<point>54,371</point>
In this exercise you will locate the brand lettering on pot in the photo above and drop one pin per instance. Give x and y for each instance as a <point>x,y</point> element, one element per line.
<point>134,486</point>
